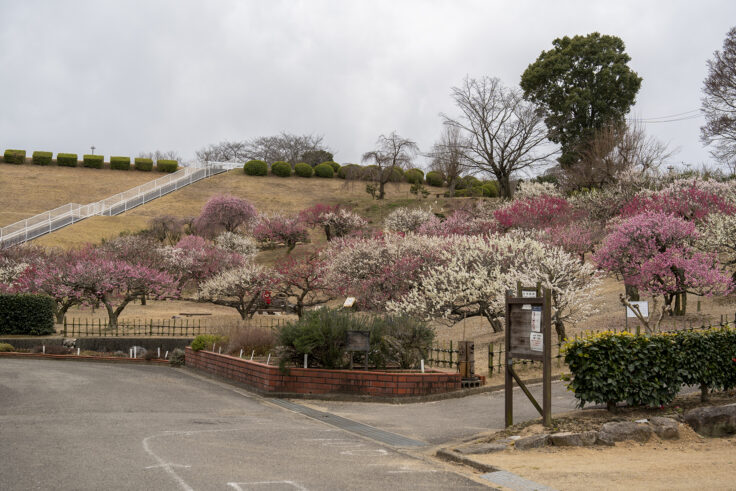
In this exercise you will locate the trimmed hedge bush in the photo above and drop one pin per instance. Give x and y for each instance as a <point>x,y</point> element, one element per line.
<point>348,169</point>
<point>167,166</point>
<point>6,347</point>
<point>67,159</point>
<point>26,314</point>
<point>649,370</point>
<point>434,178</point>
<point>42,158</point>
<point>335,166</point>
<point>281,169</point>
<point>491,189</point>
<point>255,168</point>
<point>145,165</point>
<point>120,163</point>
<point>324,170</point>
<point>468,182</point>
<point>15,157</point>
<point>93,161</point>
<point>414,176</point>
<point>205,341</point>
<point>303,170</point>
<point>474,192</point>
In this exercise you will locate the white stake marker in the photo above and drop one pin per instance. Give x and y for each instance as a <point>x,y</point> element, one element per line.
<point>269,359</point>
<point>166,356</point>
<point>305,360</point>
<point>43,348</point>
<point>219,350</point>
<point>158,351</point>
<point>131,352</point>
<point>251,354</point>
<point>422,365</point>
<point>135,351</point>
<point>77,351</point>
<point>241,353</point>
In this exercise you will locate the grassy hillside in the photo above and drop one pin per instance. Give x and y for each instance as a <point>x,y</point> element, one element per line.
<point>26,190</point>
<point>269,194</point>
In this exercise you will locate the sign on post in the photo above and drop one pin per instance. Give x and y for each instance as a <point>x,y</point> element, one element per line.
<point>529,337</point>
<point>358,341</point>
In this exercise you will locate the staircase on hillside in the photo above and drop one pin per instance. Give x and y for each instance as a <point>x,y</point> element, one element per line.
<point>49,221</point>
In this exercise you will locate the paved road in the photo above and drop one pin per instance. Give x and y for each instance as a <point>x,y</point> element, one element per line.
<point>74,425</point>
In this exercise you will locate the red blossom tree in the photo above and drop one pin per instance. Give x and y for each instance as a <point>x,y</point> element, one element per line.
<point>195,259</point>
<point>690,203</point>
<point>538,212</point>
<point>226,213</point>
<point>303,279</point>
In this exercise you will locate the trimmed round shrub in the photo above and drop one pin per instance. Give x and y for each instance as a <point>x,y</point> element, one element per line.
<point>324,170</point>
<point>120,163</point>
<point>256,168</point>
<point>177,358</point>
<point>5,347</point>
<point>93,161</point>
<point>14,156</point>
<point>468,182</point>
<point>348,170</point>
<point>42,158</point>
<point>142,164</point>
<point>167,166</point>
<point>304,170</point>
<point>414,176</point>
<point>281,169</point>
<point>397,175</point>
<point>66,159</point>
<point>490,189</point>
<point>370,173</point>
<point>335,166</point>
<point>206,341</point>
<point>434,178</point>
<point>26,314</point>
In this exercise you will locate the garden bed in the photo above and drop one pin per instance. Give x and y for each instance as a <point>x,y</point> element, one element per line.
<point>268,379</point>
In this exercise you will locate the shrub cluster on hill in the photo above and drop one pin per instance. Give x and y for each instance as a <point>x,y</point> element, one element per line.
<point>255,168</point>
<point>90,161</point>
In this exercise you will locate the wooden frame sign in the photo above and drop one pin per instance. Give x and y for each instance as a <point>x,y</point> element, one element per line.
<point>529,337</point>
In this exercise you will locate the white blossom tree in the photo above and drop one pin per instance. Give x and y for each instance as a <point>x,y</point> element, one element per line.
<point>406,219</point>
<point>239,288</point>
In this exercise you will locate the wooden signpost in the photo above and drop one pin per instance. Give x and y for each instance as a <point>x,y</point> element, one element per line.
<point>529,336</point>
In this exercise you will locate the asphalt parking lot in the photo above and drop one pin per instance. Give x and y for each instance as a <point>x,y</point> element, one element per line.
<point>74,425</point>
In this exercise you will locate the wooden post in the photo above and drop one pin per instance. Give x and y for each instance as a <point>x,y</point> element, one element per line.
<point>547,362</point>
<point>490,359</point>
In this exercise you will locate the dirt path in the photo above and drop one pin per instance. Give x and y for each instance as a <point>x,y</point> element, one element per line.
<point>693,462</point>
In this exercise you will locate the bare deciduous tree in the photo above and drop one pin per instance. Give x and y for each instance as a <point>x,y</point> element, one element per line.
<point>613,152</point>
<point>719,103</point>
<point>505,133</point>
<point>392,152</point>
<point>284,147</point>
<point>448,156</point>
<point>159,155</point>
<point>225,151</point>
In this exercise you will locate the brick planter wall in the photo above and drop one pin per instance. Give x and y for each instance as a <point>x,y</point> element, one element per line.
<point>268,378</point>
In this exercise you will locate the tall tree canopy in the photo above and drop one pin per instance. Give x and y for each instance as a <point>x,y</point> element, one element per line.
<point>583,84</point>
<point>719,103</point>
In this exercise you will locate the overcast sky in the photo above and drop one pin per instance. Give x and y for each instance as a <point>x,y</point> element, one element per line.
<point>134,76</point>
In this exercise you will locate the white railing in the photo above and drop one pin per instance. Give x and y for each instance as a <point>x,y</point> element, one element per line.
<point>48,221</point>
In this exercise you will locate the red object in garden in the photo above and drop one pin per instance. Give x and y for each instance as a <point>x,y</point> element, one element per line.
<point>267,297</point>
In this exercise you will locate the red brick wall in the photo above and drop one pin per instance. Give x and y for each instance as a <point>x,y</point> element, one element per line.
<point>268,378</point>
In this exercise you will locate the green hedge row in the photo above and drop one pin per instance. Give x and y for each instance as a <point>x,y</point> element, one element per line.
<point>255,168</point>
<point>324,170</point>
<point>146,165</point>
<point>167,166</point>
<point>67,159</point>
<point>26,314</point>
<point>650,370</point>
<point>42,158</point>
<point>435,178</point>
<point>14,156</point>
<point>281,169</point>
<point>120,163</point>
<point>303,170</point>
<point>92,161</point>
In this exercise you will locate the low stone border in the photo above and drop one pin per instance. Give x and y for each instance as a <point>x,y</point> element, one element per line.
<point>107,359</point>
<point>269,380</point>
<point>451,455</point>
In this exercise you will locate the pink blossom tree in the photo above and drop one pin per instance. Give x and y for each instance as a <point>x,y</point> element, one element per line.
<point>653,251</point>
<point>226,213</point>
<point>195,259</point>
<point>304,279</point>
<point>95,278</point>
<point>335,221</point>
<point>692,203</point>
<point>280,229</point>
<point>460,222</point>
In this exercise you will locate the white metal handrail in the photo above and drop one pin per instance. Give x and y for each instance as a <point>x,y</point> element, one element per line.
<point>48,221</point>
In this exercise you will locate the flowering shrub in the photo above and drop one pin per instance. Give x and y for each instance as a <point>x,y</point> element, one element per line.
<point>534,189</point>
<point>304,280</point>
<point>406,219</point>
<point>336,221</point>
<point>195,259</point>
<point>460,222</point>
<point>534,213</point>
<point>690,203</point>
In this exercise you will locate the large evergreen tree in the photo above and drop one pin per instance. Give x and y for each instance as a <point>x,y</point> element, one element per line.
<point>583,84</point>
